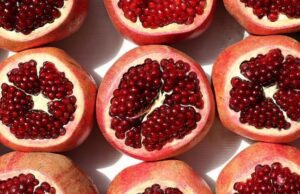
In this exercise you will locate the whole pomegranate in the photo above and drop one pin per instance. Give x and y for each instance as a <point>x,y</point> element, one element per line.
<point>29,23</point>
<point>47,101</point>
<point>155,102</point>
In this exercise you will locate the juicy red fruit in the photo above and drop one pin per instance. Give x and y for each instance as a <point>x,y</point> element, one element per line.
<point>25,184</point>
<point>275,179</point>
<point>263,72</point>
<point>25,16</point>
<point>155,14</point>
<point>17,106</point>
<point>139,90</point>
<point>156,189</point>
<point>273,8</point>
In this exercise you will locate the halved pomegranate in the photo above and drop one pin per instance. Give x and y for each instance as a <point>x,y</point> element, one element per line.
<point>262,168</point>
<point>164,177</point>
<point>47,101</point>
<point>42,173</point>
<point>29,23</point>
<point>266,17</point>
<point>155,22</point>
<point>257,86</point>
<point>155,102</point>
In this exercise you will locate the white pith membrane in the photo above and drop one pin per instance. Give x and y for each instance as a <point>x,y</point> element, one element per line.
<point>283,20</point>
<point>39,176</point>
<point>173,28</point>
<point>39,32</point>
<point>249,169</point>
<point>40,58</point>
<point>234,71</point>
<point>175,143</point>
<point>140,188</point>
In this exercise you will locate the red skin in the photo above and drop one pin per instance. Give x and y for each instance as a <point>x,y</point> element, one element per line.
<point>221,69</point>
<point>252,26</point>
<point>155,173</point>
<point>57,168</point>
<point>166,37</point>
<point>85,124</point>
<point>69,26</point>
<point>244,163</point>
<point>111,81</point>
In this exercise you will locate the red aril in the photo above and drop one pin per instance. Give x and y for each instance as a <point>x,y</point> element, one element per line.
<point>31,23</point>
<point>42,173</point>
<point>154,22</point>
<point>155,102</point>
<point>47,101</point>
<point>147,178</point>
<point>256,86</point>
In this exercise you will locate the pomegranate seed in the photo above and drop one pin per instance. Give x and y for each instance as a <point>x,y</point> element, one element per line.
<point>156,189</point>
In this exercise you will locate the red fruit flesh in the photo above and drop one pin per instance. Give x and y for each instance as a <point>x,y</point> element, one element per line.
<point>266,17</point>
<point>158,105</point>
<point>41,102</point>
<point>146,178</point>
<point>152,21</point>
<point>30,23</point>
<point>41,173</point>
<point>273,170</point>
<point>256,88</point>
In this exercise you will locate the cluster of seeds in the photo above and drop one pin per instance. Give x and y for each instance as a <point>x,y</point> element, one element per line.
<point>140,87</point>
<point>155,13</point>
<point>27,15</point>
<point>265,71</point>
<point>273,8</point>
<point>16,107</point>
<point>25,184</point>
<point>156,189</point>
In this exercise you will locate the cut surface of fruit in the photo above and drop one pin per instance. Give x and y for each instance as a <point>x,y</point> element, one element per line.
<point>147,178</point>
<point>257,88</point>
<point>274,169</point>
<point>30,23</point>
<point>266,17</point>
<point>42,100</point>
<point>153,22</point>
<point>42,173</point>
<point>158,104</point>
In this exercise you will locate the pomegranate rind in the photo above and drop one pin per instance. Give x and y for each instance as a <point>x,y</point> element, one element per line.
<point>77,130</point>
<point>223,72</point>
<point>257,26</point>
<point>69,25</point>
<point>111,81</point>
<point>167,34</point>
<point>136,178</point>
<point>241,166</point>
<point>58,170</point>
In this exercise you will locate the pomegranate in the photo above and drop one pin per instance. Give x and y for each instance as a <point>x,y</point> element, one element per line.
<point>155,22</point>
<point>30,23</point>
<point>257,86</point>
<point>266,17</point>
<point>159,177</point>
<point>42,173</point>
<point>262,168</point>
<point>47,101</point>
<point>155,102</point>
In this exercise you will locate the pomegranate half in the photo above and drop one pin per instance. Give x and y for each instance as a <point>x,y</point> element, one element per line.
<point>266,17</point>
<point>164,177</point>
<point>31,23</point>
<point>262,168</point>
<point>155,22</point>
<point>42,173</point>
<point>155,102</point>
<point>256,83</point>
<point>47,101</point>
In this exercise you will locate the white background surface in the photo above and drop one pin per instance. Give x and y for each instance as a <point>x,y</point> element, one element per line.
<point>97,45</point>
